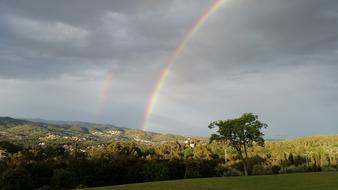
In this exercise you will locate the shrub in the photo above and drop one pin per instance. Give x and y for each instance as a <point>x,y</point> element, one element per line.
<point>16,179</point>
<point>176,169</point>
<point>45,187</point>
<point>295,169</point>
<point>208,168</point>
<point>81,186</point>
<point>155,171</point>
<point>221,170</point>
<point>275,169</point>
<point>314,168</point>
<point>234,172</point>
<point>261,170</point>
<point>255,161</point>
<point>63,179</point>
<point>41,174</point>
<point>192,169</point>
<point>328,169</point>
<point>3,166</point>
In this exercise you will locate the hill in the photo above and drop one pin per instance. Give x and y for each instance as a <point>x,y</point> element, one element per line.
<point>97,155</point>
<point>34,131</point>
<point>303,181</point>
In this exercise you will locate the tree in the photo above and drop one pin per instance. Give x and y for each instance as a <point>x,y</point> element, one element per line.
<point>63,179</point>
<point>16,179</point>
<point>155,171</point>
<point>9,147</point>
<point>240,133</point>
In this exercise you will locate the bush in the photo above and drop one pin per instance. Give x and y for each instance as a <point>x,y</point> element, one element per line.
<point>9,147</point>
<point>45,187</point>
<point>155,171</point>
<point>16,179</point>
<point>261,170</point>
<point>328,169</point>
<point>208,168</point>
<point>41,174</point>
<point>192,169</point>
<point>314,168</point>
<point>295,169</point>
<point>275,169</point>
<point>221,170</point>
<point>176,169</point>
<point>3,166</point>
<point>254,161</point>
<point>81,186</point>
<point>63,179</point>
<point>234,172</point>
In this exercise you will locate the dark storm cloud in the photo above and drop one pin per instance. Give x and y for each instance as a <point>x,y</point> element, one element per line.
<point>255,32</point>
<point>265,56</point>
<point>260,35</point>
<point>91,32</point>
<point>275,58</point>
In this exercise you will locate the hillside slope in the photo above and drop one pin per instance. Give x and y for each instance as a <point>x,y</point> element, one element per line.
<point>42,131</point>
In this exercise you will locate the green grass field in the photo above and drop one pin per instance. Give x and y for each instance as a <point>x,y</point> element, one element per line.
<point>306,181</point>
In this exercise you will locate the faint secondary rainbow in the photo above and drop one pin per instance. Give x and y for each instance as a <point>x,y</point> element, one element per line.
<point>180,47</point>
<point>104,94</point>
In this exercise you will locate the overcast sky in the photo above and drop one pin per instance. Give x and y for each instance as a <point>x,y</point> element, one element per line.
<point>275,58</point>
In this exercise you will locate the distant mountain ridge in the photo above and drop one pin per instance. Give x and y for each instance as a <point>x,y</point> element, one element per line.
<point>8,121</point>
<point>74,123</point>
<point>35,131</point>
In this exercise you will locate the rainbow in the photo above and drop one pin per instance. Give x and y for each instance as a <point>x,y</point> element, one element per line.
<point>180,47</point>
<point>104,95</point>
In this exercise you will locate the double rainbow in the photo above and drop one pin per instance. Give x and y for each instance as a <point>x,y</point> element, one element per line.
<point>180,47</point>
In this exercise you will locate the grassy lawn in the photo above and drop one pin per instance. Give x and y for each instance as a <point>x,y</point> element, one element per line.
<point>306,181</point>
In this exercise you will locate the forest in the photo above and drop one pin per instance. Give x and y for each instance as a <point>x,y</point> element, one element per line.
<point>55,167</point>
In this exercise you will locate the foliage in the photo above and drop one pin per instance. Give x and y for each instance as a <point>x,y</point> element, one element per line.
<point>241,133</point>
<point>261,170</point>
<point>192,169</point>
<point>155,171</point>
<point>63,179</point>
<point>78,164</point>
<point>16,179</point>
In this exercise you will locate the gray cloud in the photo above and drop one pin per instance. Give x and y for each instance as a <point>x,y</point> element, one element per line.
<point>275,58</point>
<point>99,33</point>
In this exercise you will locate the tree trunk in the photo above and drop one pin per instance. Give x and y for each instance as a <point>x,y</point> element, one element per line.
<point>245,168</point>
<point>225,155</point>
<point>245,163</point>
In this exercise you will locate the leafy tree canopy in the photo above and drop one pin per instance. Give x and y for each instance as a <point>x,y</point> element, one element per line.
<point>240,133</point>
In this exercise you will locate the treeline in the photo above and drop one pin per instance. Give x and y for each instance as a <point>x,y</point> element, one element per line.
<point>54,167</point>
